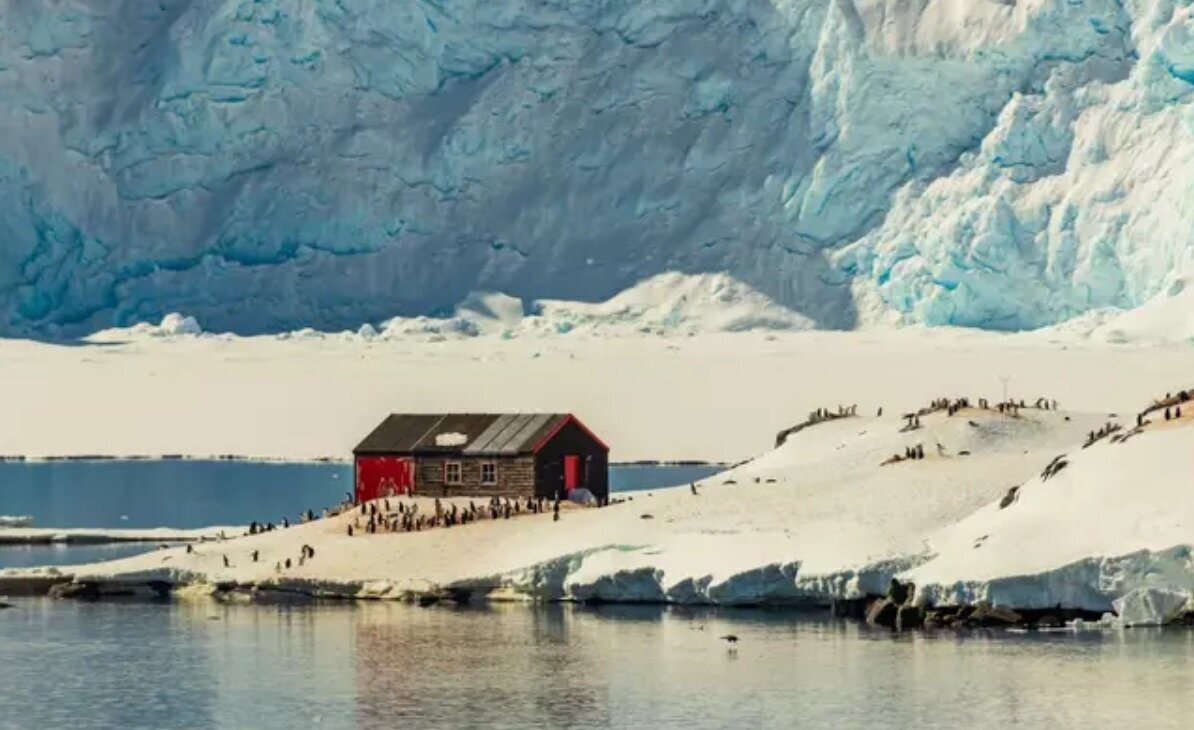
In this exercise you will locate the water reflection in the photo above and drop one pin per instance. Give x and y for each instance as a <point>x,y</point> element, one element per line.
<point>501,667</point>
<point>192,664</point>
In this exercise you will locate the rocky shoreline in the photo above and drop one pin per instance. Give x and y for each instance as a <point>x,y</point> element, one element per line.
<point>896,611</point>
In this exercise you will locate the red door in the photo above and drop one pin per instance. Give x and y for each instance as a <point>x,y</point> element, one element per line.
<point>571,473</point>
<point>383,477</point>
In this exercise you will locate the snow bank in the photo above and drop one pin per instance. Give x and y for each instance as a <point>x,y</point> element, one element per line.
<point>1118,518</point>
<point>172,325</point>
<point>668,304</point>
<point>1150,606</point>
<point>1166,319</point>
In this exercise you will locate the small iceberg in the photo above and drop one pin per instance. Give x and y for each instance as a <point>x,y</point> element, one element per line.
<point>15,521</point>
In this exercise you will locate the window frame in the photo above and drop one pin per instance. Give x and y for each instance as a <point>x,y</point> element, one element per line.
<point>494,480</point>
<point>459,480</point>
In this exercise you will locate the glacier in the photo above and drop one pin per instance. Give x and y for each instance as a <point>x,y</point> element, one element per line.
<point>266,165</point>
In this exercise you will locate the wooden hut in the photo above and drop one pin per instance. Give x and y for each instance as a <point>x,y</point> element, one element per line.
<point>481,455</point>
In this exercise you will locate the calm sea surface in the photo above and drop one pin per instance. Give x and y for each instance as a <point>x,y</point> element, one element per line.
<point>200,493</point>
<point>198,664</point>
<point>133,494</point>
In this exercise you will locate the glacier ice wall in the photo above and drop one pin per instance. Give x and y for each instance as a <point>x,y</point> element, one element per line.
<point>268,164</point>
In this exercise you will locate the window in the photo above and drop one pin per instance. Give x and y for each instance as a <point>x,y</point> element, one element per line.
<point>452,472</point>
<point>489,472</point>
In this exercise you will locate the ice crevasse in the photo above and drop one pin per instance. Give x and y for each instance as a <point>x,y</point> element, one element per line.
<point>273,164</point>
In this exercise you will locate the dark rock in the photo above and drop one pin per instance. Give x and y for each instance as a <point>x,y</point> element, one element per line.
<point>78,591</point>
<point>900,593</point>
<point>1009,498</point>
<point>160,588</point>
<point>4,605</point>
<point>909,618</point>
<point>883,612</point>
<point>459,595</point>
<point>854,608</point>
<point>994,617</point>
<point>1048,621</point>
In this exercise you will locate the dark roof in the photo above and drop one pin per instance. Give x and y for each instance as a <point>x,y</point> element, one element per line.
<point>461,433</point>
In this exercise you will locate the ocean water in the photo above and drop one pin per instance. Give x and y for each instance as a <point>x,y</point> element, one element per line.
<point>179,493</point>
<point>29,556</point>
<point>199,664</point>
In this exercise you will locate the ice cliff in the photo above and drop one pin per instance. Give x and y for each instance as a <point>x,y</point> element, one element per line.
<point>270,164</point>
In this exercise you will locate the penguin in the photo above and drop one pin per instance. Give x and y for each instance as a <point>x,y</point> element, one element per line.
<point>226,564</point>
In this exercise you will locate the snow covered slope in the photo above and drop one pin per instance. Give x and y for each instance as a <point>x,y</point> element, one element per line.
<point>275,164</point>
<point>828,515</point>
<point>1116,519</point>
<point>818,518</point>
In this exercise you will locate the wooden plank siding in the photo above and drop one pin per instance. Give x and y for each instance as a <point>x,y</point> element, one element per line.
<point>572,440</point>
<point>515,476</point>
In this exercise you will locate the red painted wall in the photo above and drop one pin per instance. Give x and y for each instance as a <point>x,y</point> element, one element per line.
<point>383,476</point>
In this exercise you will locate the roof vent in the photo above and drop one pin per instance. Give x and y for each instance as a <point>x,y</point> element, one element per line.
<point>450,439</point>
